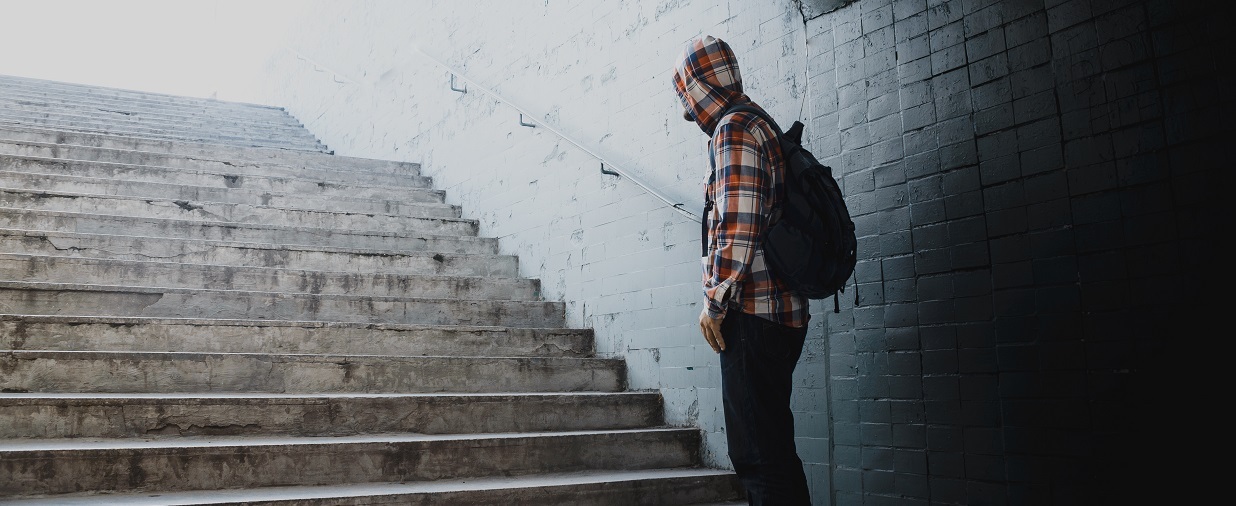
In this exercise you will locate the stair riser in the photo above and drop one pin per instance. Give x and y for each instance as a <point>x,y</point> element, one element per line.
<point>386,187</point>
<point>73,372</point>
<point>56,93</point>
<point>51,472</point>
<point>167,303</point>
<point>702,491</point>
<point>214,336</point>
<point>184,124</point>
<point>217,152</point>
<point>316,416</point>
<point>174,275</point>
<point>238,140</point>
<point>11,97</point>
<point>235,232</point>
<point>27,104</point>
<point>417,202</point>
<point>712,489</point>
<point>321,166</point>
<point>459,257</point>
<point>219,213</point>
<point>59,90</point>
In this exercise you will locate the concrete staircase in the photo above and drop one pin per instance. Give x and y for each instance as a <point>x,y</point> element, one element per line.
<point>200,304</point>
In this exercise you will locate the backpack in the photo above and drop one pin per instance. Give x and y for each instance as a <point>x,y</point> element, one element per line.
<point>810,244</point>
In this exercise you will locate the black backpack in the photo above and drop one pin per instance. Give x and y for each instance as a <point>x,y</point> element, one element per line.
<point>810,244</point>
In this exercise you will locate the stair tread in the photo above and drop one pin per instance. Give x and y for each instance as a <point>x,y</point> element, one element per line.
<point>378,489</point>
<point>206,172</point>
<point>10,397</point>
<point>137,320</point>
<point>262,245</point>
<point>326,160</point>
<point>87,444</point>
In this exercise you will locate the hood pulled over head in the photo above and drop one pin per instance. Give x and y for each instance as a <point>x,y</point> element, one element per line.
<point>707,81</point>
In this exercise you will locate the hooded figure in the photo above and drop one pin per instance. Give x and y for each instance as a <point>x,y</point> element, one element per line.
<point>751,318</point>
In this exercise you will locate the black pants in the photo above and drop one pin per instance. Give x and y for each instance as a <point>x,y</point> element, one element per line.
<point>756,371</point>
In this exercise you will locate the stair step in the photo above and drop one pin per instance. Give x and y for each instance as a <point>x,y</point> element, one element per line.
<point>220,231</point>
<point>97,333</point>
<point>147,415</point>
<point>161,302</point>
<point>418,202</point>
<point>450,256</point>
<point>61,88</point>
<point>330,166</point>
<point>440,219</point>
<point>172,372</point>
<point>389,187</point>
<point>16,99</point>
<point>49,114</point>
<point>646,487</point>
<point>220,152</point>
<point>58,269</point>
<point>197,463</point>
<point>228,139</point>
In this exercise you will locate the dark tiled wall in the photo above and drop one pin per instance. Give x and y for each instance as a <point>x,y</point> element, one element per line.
<point>1035,184</point>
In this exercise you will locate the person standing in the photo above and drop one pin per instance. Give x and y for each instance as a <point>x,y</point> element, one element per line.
<point>750,318</point>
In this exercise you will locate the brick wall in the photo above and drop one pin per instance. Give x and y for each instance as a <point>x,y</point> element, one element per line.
<point>1032,183</point>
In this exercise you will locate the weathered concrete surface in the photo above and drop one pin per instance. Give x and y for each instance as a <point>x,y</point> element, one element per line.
<point>434,219</point>
<point>217,152</point>
<point>221,231</point>
<point>702,487</point>
<point>353,184</point>
<point>309,165</point>
<point>55,269</point>
<point>169,415</point>
<point>137,372</point>
<point>415,201</point>
<point>80,333</point>
<point>58,90</point>
<point>198,320</point>
<point>106,300</point>
<point>66,466</point>
<point>462,256</point>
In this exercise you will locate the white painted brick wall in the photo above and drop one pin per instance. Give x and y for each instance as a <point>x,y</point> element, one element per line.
<point>625,263</point>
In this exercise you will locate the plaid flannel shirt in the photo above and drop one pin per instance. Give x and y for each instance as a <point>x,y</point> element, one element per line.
<point>745,186</point>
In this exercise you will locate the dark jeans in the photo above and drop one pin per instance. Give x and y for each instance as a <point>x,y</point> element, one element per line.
<point>756,370</point>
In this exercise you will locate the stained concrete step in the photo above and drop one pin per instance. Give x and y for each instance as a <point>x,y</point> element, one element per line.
<point>356,185</point>
<point>445,256</point>
<point>161,302</point>
<point>196,463</point>
<point>19,98</point>
<point>645,487</point>
<point>223,135</point>
<point>61,89</point>
<point>19,133</point>
<point>434,219</point>
<point>94,333</point>
<point>27,112</point>
<point>58,269</point>
<point>22,219</point>
<point>16,100</point>
<point>39,95</point>
<point>177,372</point>
<point>313,165</point>
<point>417,202</point>
<point>188,136</point>
<point>146,415</point>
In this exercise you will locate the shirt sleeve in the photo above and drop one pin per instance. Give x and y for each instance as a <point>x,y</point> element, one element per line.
<point>742,189</point>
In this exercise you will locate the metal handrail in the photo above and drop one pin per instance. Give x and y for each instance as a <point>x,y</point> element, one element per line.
<point>613,168</point>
